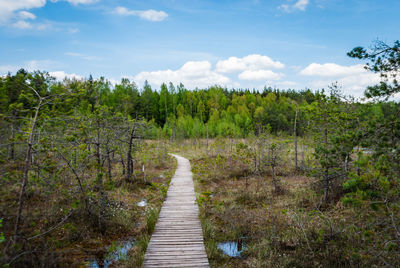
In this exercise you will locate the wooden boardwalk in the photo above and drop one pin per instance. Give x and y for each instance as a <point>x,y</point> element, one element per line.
<point>177,240</point>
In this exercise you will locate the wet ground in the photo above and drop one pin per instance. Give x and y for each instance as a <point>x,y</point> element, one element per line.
<point>232,249</point>
<point>120,252</point>
<point>142,203</point>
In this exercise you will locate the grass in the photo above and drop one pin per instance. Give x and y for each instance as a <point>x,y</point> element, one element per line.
<point>74,242</point>
<point>281,229</point>
<point>287,228</point>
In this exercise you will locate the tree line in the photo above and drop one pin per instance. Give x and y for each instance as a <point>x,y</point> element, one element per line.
<point>172,111</point>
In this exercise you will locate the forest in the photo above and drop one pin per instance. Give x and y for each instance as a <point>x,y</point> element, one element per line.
<point>305,178</point>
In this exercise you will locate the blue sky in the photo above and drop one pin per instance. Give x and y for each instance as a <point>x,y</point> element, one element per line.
<point>248,43</point>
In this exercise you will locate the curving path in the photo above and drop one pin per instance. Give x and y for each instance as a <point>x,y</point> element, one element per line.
<point>177,240</point>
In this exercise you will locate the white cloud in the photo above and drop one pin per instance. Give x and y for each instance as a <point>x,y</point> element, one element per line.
<point>267,75</point>
<point>43,26</point>
<point>251,62</point>
<point>73,30</point>
<point>123,11</point>
<point>151,15</point>
<point>30,66</point>
<point>4,69</point>
<point>77,2</point>
<point>8,7</point>
<point>332,70</point>
<point>288,84</point>
<point>42,65</point>
<point>83,56</point>
<point>21,24</point>
<point>25,15</point>
<point>354,85</point>
<point>192,74</point>
<point>299,5</point>
<point>248,70</point>
<point>354,79</point>
<point>61,75</point>
<point>9,15</point>
<point>14,12</point>
<point>24,25</point>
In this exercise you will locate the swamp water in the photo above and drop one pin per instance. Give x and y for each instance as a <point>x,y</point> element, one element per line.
<point>120,252</point>
<point>232,249</point>
<point>142,203</point>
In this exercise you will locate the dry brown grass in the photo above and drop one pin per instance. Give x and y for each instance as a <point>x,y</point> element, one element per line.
<point>78,239</point>
<point>286,229</point>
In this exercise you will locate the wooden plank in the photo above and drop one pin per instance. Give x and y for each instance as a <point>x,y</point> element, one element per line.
<point>176,249</point>
<point>177,240</point>
<point>177,263</point>
<point>160,265</point>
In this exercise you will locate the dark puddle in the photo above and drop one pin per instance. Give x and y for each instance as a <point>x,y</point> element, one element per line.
<point>232,249</point>
<point>119,253</point>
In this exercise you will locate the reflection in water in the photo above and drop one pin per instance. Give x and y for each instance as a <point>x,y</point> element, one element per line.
<point>232,249</point>
<point>142,203</point>
<point>107,259</point>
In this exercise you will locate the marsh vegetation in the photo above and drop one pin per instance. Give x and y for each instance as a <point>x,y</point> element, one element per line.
<point>292,178</point>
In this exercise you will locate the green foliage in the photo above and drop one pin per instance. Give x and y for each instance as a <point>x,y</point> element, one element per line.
<point>151,219</point>
<point>2,238</point>
<point>377,180</point>
<point>385,60</point>
<point>172,112</point>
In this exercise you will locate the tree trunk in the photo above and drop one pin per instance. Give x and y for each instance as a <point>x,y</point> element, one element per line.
<point>260,149</point>
<point>255,162</point>
<point>129,162</point>
<point>98,144</point>
<point>123,166</point>
<point>295,139</point>
<point>28,159</point>
<point>84,197</point>
<point>109,163</point>
<point>207,140</point>
<point>166,109</point>
<point>12,145</point>
<point>274,179</point>
<point>303,156</point>
<point>326,184</point>
<point>326,175</point>
<point>230,153</point>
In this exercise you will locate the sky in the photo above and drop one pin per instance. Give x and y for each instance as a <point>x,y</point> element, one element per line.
<point>294,44</point>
